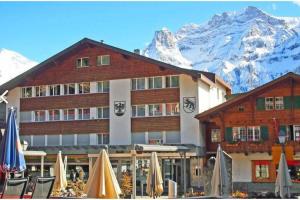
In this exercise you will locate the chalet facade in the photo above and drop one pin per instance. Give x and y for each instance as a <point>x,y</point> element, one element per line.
<point>92,94</point>
<point>247,128</point>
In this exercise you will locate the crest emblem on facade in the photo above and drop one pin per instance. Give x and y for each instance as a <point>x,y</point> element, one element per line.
<point>189,104</point>
<point>119,107</point>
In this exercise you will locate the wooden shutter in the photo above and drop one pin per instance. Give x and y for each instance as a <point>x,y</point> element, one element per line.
<point>264,133</point>
<point>287,101</point>
<point>260,103</point>
<point>297,101</point>
<point>228,134</point>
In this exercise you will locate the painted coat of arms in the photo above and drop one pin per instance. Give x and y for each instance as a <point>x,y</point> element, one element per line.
<point>119,107</point>
<point>189,104</point>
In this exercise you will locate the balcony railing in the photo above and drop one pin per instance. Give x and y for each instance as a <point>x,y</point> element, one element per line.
<point>247,147</point>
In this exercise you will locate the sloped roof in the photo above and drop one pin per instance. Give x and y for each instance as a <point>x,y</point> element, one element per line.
<point>194,73</point>
<point>243,96</point>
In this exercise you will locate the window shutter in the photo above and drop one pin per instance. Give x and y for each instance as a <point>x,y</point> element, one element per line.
<point>297,101</point>
<point>287,101</point>
<point>264,133</point>
<point>228,134</point>
<point>260,103</point>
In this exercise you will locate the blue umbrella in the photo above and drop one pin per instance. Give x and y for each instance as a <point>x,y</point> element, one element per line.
<point>11,154</point>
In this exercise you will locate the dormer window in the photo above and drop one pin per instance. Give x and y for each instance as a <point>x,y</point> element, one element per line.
<point>82,62</point>
<point>103,60</point>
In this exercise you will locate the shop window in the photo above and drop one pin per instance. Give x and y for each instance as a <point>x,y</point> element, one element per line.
<point>138,138</point>
<point>103,87</point>
<point>172,109</point>
<point>69,88</point>
<point>172,137</point>
<point>53,140</point>
<point>82,62</point>
<point>68,140</point>
<point>103,60</point>
<point>294,169</point>
<point>138,84</point>
<point>172,81</point>
<point>26,92</point>
<point>38,140</point>
<point>83,139</point>
<point>215,135</point>
<point>138,111</point>
<point>40,91</point>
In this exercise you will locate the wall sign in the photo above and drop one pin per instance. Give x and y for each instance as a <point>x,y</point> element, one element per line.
<point>119,107</point>
<point>189,104</point>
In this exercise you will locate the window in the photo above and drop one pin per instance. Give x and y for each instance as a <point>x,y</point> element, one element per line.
<point>172,109</point>
<point>103,60</point>
<point>172,81</point>
<point>262,169</point>
<point>155,110</point>
<point>103,139</point>
<point>253,133</point>
<point>83,139</point>
<point>69,114</point>
<point>25,116</point>
<point>54,115</point>
<point>138,111</point>
<point>172,137</point>
<point>68,140</point>
<point>38,140</point>
<point>103,113</point>
<point>138,84</point>
<point>40,91</point>
<point>297,133</point>
<point>69,88</point>
<point>155,82</point>
<point>155,138</point>
<point>82,62</point>
<point>138,138</point>
<point>83,113</point>
<point>40,116</point>
<point>279,103</point>
<point>103,86</point>
<point>215,135</point>
<point>54,90</point>
<point>26,92</point>
<point>239,134</point>
<point>84,88</point>
<point>241,108</point>
<point>269,103</point>
<point>53,140</point>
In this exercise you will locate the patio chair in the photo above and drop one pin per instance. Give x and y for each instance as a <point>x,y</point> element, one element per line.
<point>43,187</point>
<point>14,188</point>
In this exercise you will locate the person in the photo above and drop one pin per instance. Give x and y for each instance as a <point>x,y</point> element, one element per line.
<point>73,176</point>
<point>81,174</point>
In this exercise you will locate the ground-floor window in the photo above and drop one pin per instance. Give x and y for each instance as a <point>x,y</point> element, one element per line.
<point>261,170</point>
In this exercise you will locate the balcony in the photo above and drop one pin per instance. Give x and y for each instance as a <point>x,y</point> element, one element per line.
<point>247,147</point>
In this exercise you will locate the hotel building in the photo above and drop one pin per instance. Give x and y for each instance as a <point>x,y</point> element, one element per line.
<point>92,94</point>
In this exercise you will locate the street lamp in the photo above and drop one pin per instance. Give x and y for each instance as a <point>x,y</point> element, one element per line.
<point>282,139</point>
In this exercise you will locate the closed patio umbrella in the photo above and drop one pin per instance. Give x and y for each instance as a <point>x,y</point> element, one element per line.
<point>219,181</point>
<point>11,154</point>
<point>60,182</point>
<point>102,182</point>
<point>283,182</point>
<point>154,178</point>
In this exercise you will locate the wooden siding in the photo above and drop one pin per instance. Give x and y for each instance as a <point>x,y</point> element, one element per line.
<point>169,123</point>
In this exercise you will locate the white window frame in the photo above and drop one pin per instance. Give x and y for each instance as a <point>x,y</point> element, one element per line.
<point>37,116</point>
<point>68,118</point>
<point>80,116</point>
<point>101,57</point>
<point>296,130</point>
<point>102,115</point>
<point>152,79</point>
<point>102,138</point>
<point>81,62</point>
<point>24,92</point>
<point>154,113</point>
<point>173,113</point>
<point>55,90</point>
<point>67,86</point>
<point>135,113</point>
<point>135,83</point>
<point>253,133</point>
<point>82,85</point>
<point>241,134</point>
<point>171,84</point>
<point>100,88</point>
<point>269,103</point>
<point>52,112</point>
<point>38,90</point>
<point>279,104</point>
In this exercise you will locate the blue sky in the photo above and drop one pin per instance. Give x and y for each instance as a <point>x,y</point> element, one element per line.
<point>40,29</point>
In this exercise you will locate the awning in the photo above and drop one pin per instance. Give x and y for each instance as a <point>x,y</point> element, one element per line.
<point>160,148</point>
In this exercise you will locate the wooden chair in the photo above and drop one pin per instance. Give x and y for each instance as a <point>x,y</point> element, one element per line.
<point>14,188</point>
<point>43,187</point>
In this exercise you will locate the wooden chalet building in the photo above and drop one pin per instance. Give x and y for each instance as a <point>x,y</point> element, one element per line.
<point>92,94</point>
<point>247,127</point>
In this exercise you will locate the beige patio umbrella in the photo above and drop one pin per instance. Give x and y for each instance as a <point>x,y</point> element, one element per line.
<point>154,178</point>
<point>283,182</point>
<point>102,182</point>
<point>60,182</point>
<point>219,181</point>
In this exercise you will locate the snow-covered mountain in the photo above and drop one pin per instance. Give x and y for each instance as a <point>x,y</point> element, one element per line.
<point>12,64</point>
<point>246,48</point>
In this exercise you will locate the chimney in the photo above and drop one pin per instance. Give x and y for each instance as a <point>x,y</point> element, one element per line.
<point>137,51</point>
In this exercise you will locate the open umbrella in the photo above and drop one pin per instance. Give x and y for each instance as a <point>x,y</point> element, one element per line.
<point>102,182</point>
<point>60,182</point>
<point>283,181</point>
<point>11,154</point>
<point>154,178</point>
<point>219,181</point>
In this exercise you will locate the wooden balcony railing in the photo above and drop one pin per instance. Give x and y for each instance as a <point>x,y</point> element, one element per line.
<point>247,147</point>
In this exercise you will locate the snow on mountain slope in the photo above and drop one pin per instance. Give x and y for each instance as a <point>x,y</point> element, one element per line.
<point>246,48</point>
<point>12,64</point>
